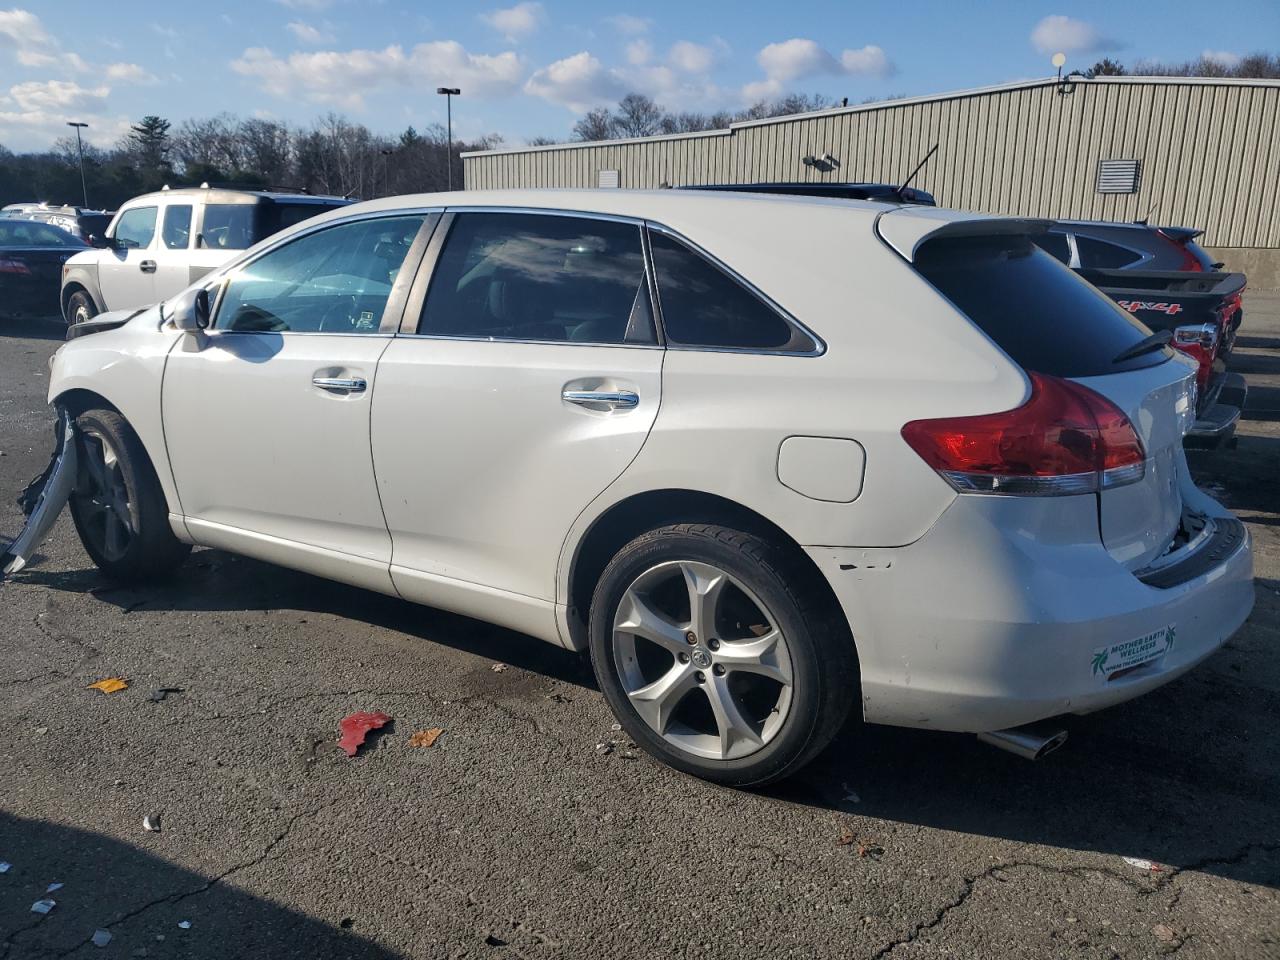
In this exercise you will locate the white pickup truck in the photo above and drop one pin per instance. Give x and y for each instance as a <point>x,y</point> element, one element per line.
<point>159,243</point>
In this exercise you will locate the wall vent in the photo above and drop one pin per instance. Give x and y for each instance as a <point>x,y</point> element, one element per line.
<point>607,180</point>
<point>1118,176</point>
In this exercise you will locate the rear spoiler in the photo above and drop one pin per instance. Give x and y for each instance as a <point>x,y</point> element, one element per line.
<point>906,229</point>
<point>1179,234</point>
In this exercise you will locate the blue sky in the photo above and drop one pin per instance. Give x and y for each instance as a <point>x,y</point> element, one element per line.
<point>531,68</point>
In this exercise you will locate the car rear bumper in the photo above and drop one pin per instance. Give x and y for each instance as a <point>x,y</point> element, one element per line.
<point>980,625</point>
<point>1216,425</point>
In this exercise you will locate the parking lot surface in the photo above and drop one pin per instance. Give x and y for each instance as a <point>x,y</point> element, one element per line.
<point>517,834</point>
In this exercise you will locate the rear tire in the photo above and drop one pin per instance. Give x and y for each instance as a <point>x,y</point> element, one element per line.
<point>118,506</point>
<point>80,308</point>
<point>719,655</point>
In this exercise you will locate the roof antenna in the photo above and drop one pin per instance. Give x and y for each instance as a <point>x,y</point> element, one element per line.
<point>919,166</point>
<point>1147,219</point>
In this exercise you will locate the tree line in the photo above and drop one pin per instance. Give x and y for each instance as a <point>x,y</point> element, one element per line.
<point>332,156</point>
<point>1255,66</point>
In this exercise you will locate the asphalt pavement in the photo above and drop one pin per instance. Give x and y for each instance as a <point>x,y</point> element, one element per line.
<point>516,834</point>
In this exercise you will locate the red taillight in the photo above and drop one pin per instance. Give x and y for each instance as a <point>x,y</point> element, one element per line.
<point>1189,260</point>
<point>13,265</point>
<point>1201,342</point>
<point>1065,439</point>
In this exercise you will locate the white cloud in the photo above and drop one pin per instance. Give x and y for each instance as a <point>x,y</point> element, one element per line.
<point>515,23</point>
<point>64,95</point>
<point>787,61</point>
<point>579,82</point>
<point>36,58</point>
<point>23,30</point>
<point>128,73</point>
<point>628,25</point>
<point>307,33</point>
<point>1222,57</point>
<point>639,52</point>
<point>1059,34</point>
<point>344,78</point>
<point>691,57</point>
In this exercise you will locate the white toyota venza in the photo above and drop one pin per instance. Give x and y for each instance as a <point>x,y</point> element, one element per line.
<point>771,461</point>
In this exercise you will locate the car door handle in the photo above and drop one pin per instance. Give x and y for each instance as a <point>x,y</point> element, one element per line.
<point>147,266</point>
<point>340,384</point>
<point>614,399</point>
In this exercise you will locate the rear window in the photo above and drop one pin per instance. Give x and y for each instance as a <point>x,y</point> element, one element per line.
<point>274,217</point>
<point>228,226</point>
<point>1037,311</point>
<point>1100,255</point>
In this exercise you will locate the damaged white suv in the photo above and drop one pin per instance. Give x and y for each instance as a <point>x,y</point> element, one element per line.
<point>770,460</point>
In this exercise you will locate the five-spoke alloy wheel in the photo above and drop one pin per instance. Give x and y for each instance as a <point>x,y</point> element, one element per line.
<point>719,654</point>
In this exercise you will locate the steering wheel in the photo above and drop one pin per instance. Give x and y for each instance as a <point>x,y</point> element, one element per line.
<point>343,308</point>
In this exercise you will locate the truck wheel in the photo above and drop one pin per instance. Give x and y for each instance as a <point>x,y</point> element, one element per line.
<point>80,308</point>
<point>118,507</point>
<point>719,656</point>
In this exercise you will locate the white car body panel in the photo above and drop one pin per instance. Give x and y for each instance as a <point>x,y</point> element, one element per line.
<point>968,612</point>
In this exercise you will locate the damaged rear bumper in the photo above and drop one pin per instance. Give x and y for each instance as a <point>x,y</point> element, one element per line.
<point>44,498</point>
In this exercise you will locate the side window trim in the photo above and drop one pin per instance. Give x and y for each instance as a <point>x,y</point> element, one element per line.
<point>395,301</point>
<point>801,335</point>
<point>413,309</point>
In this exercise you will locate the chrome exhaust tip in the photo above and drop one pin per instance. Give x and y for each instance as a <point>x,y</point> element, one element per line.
<point>1031,742</point>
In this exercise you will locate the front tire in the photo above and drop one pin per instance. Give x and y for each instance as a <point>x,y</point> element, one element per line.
<point>118,506</point>
<point>80,308</point>
<point>719,655</point>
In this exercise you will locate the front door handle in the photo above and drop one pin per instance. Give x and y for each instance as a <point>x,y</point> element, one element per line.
<point>340,384</point>
<point>147,266</point>
<point>613,399</point>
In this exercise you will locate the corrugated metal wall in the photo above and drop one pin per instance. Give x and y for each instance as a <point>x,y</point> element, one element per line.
<point>1210,153</point>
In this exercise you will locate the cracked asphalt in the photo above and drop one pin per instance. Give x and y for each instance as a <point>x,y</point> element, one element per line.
<point>515,836</point>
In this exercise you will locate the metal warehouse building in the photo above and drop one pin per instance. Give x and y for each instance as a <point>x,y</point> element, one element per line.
<point>1185,151</point>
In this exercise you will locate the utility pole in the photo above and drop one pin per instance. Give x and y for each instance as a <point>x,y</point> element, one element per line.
<point>449,93</point>
<point>386,173</point>
<point>84,189</point>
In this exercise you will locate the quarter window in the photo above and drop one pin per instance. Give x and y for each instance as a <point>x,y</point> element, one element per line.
<point>1055,244</point>
<point>703,306</point>
<point>176,229</point>
<point>1099,255</point>
<point>136,227</point>
<point>520,276</point>
<point>228,226</point>
<point>336,280</point>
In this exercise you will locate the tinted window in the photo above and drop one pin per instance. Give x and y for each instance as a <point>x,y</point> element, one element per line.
<point>1055,244</point>
<point>704,306</point>
<point>520,276</point>
<point>136,227</point>
<point>274,217</point>
<point>332,281</point>
<point>176,229</point>
<point>1040,313</point>
<point>32,234</point>
<point>228,226</point>
<point>1099,255</point>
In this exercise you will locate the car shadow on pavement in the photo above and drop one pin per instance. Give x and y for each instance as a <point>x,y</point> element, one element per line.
<point>212,581</point>
<point>139,899</point>
<point>33,328</point>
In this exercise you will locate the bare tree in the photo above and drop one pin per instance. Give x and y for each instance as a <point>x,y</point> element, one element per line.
<point>595,124</point>
<point>637,116</point>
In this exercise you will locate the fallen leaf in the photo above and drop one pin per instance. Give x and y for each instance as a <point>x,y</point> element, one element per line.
<point>356,726</point>
<point>846,838</point>
<point>1163,933</point>
<point>426,738</point>
<point>498,667</point>
<point>1144,864</point>
<point>110,685</point>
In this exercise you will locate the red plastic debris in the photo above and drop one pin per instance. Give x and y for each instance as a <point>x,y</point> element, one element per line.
<point>355,727</point>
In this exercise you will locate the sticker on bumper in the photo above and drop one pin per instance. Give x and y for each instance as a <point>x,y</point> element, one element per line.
<point>1133,653</point>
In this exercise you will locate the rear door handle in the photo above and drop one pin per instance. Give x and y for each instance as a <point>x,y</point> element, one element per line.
<point>613,399</point>
<point>340,384</point>
<point>147,266</point>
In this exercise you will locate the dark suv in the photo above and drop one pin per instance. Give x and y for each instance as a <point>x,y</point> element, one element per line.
<point>1101,245</point>
<point>80,222</point>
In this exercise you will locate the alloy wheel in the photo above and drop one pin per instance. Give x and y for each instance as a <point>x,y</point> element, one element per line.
<point>103,496</point>
<point>702,660</point>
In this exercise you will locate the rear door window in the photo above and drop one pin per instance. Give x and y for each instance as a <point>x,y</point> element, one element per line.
<point>703,306</point>
<point>1044,316</point>
<point>176,228</point>
<point>523,276</point>
<point>1100,255</point>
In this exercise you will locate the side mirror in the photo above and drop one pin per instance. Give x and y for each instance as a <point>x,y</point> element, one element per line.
<point>102,243</point>
<point>189,310</point>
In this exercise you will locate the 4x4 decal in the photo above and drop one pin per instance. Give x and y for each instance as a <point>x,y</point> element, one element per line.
<point>1133,306</point>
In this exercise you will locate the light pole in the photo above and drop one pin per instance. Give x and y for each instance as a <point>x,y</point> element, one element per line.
<point>386,174</point>
<point>84,189</point>
<point>449,93</point>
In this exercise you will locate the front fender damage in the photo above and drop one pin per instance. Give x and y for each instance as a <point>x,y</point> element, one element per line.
<point>44,497</point>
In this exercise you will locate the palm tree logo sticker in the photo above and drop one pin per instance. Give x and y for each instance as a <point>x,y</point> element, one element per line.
<point>1100,661</point>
